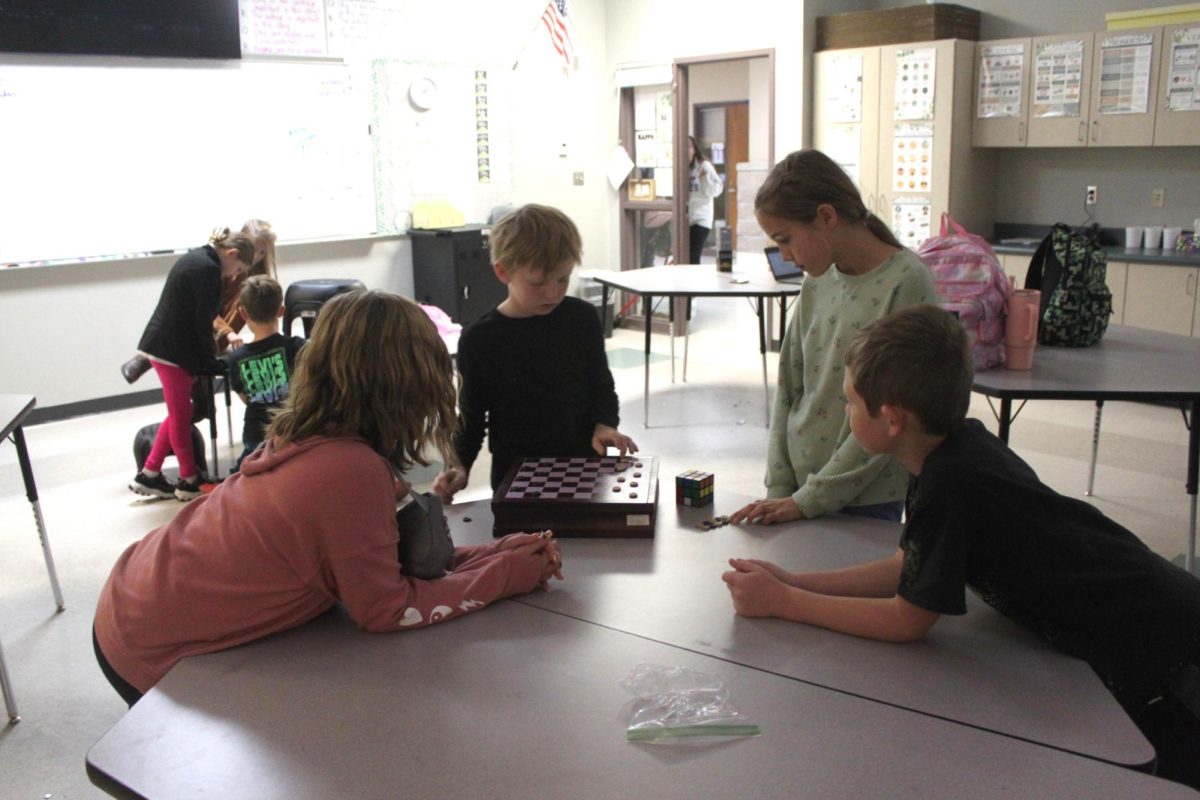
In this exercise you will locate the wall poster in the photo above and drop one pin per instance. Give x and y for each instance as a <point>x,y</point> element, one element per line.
<point>1001,68</point>
<point>915,83</point>
<point>912,157</point>
<point>1125,63</point>
<point>1058,79</point>
<point>1183,85</point>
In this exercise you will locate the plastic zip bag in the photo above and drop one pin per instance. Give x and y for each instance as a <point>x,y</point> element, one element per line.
<point>676,705</point>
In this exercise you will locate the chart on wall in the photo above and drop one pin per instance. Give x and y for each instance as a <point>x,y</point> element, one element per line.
<point>843,88</point>
<point>112,160</point>
<point>915,71</point>
<point>1058,79</point>
<point>1183,83</point>
<point>1000,71</point>
<point>441,136</point>
<point>1125,65</point>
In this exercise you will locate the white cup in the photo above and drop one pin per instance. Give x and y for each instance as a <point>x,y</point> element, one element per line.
<point>1170,237</point>
<point>1133,237</point>
<point>1154,237</point>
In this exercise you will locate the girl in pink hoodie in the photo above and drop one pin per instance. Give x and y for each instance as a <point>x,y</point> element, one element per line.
<point>310,520</point>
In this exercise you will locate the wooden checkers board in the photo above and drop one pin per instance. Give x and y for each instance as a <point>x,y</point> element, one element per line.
<point>598,496</point>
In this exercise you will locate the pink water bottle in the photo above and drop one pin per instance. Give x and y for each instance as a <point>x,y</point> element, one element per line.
<point>1020,329</point>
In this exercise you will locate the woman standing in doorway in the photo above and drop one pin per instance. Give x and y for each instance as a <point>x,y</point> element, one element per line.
<point>703,185</point>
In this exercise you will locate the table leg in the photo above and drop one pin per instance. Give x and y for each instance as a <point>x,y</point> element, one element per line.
<point>31,493</point>
<point>210,393</point>
<point>646,367</point>
<point>1192,475</point>
<point>1095,448</point>
<point>782,319</point>
<point>10,702</point>
<point>762,350</point>
<point>671,336</point>
<point>687,336</point>
<point>1005,419</point>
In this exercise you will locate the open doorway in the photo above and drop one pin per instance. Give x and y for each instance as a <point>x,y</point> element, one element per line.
<point>727,102</point>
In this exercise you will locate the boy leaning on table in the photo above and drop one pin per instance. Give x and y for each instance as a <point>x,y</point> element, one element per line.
<point>978,517</point>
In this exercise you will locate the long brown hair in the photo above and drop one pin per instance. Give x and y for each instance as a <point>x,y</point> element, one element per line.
<point>262,233</point>
<point>375,367</point>
<point>809,178</point>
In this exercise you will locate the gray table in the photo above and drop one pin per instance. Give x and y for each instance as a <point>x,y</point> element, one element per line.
<point>979,669</point>
<point>14,408</point>
<point>697,280</point>
<point>1131,364</point>
<point>515,702</point>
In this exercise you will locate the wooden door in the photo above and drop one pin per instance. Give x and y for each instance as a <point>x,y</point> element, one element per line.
<point>737,151</point>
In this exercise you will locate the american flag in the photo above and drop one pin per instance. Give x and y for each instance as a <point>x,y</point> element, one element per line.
<point>557,20</point>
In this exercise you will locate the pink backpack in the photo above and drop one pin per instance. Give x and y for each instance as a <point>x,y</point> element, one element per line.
<point>972,286</point>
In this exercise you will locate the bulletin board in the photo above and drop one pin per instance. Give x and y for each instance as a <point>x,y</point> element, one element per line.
<point>106,156</point>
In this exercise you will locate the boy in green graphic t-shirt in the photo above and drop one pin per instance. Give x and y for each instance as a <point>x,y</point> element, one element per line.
<point>260,372</point>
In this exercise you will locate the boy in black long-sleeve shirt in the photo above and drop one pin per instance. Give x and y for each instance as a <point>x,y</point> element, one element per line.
<point>535,379</point>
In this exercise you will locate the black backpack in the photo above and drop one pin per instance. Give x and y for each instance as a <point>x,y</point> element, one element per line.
<point>1069,269</point>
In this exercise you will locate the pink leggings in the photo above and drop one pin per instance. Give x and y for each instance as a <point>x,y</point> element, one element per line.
<point>175,434</point>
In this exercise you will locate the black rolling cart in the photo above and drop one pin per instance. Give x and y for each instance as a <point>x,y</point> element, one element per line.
<point>452,269</point>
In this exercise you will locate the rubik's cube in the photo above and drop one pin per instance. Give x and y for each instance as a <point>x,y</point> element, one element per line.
<point>693,488</point>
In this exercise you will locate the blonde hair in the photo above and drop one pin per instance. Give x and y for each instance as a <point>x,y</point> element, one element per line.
<point>261,232</point>
<point>375,367</point>
<point>806,179</point>
<point>223,239</point>
<point>538,237</point>
<point>917,359</point>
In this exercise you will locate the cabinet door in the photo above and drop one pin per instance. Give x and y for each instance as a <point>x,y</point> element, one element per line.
<point>846,115</point>
<point>1015,266</point>
<point>1116,278</point>
<point>1124,87</point>
<point>1160,298</point>
<point>1060,86</point>
<point>1177,119</point>
<point>1001,96</point>
<point>916,125</point>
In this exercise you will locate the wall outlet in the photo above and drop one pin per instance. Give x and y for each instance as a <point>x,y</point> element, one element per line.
<point>1093,194</point>
<point>1158,197</point>
<point>578,178</point>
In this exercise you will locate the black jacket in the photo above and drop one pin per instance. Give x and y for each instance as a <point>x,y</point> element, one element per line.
<point>180,329</point>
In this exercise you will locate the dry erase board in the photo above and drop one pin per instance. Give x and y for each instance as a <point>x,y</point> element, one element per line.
<point>111,156</point>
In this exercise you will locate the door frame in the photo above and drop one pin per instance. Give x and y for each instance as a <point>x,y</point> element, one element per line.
<point>682,114</point>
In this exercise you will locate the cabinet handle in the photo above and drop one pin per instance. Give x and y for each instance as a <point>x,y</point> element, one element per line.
<point>1191,283</point>
<point>1082,131</point>
<point>1020,131</point>
<point>871,203</point>
<point>466,293</point>
<point>1095,130</point>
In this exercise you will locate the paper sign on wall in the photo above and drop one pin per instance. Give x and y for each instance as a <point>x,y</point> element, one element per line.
<point>1183,85</point>
<point>1125,73</point>
<point>999,90</point>
<point>912,157</point>
<point>843,88</point>
<point>910,220</point>
<point>1058,79</point>
<point>915,83</point>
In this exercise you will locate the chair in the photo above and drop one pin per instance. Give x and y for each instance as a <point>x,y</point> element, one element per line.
<point>304,299</point>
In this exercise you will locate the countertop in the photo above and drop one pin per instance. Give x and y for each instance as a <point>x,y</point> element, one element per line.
<point>1012,239</point>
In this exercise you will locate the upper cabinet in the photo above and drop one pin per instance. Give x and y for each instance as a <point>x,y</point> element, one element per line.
<point>1177,120</point>
<point>1001,113</point>
<point>897,119</point>
<point>1124,88</point>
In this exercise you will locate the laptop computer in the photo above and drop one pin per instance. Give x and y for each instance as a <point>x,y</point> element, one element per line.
<point>783,270</point>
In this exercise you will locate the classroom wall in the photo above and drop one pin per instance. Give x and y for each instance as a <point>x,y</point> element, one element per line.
<point>67,328</point>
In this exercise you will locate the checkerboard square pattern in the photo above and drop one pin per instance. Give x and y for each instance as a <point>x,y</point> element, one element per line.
<point>694,488</point>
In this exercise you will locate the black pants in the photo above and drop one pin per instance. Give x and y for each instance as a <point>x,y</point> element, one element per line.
<point>697,236</point>
<point>1172,725</point>
<point>124,688</point>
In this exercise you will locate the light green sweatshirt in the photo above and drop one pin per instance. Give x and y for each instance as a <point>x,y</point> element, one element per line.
<point>811,454</point>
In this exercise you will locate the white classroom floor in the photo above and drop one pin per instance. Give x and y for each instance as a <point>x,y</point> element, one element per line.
<point>714,422</point>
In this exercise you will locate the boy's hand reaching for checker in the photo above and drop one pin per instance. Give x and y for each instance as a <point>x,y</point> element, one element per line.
<point>606,436</point>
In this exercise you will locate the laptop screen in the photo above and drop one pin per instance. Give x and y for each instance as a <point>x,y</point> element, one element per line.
<point>780,267</point>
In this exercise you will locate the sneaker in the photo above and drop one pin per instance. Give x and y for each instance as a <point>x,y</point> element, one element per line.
<point>158,486</point>
<point>188,490</point>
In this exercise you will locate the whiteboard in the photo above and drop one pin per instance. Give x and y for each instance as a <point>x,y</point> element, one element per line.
<point>109,156</point>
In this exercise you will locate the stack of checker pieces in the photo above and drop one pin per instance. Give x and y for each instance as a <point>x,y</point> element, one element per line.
<point>594,497</point>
